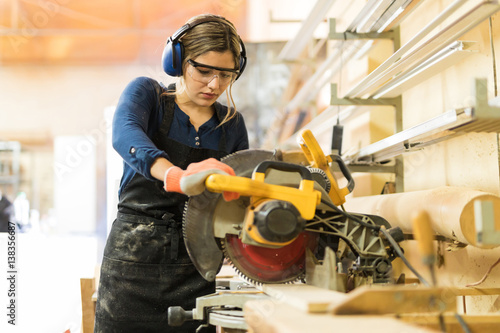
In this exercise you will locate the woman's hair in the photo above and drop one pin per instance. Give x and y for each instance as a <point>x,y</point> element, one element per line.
<point>218,35</point>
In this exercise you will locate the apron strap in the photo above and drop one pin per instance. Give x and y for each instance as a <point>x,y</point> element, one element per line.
<point>173,228</point>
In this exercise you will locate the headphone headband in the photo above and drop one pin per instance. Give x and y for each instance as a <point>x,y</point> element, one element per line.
<point>173,53</point>
<point>188,26</point>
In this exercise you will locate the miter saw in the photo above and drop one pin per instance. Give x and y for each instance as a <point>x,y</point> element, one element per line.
<point>289,213</point>
<point>289,202</point>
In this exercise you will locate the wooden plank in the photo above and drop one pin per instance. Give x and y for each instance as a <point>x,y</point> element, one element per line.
<point>304,297</point>
<point>471,291</point>
<point>271,316</point>
<point>396,299</point>
<point>87,287</point>
<point>364,300</point>
<point>489,323</point>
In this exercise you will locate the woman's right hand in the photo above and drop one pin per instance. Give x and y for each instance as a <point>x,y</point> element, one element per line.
<point>192,180</point>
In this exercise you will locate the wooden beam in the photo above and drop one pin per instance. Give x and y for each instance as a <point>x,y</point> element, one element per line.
<point>364,300</point>
<point>471,291</point>
<point>87,287</point>
<point>268,316</point>
<point>304,297</point>
<point>488,323</point>
<point>396,299</point>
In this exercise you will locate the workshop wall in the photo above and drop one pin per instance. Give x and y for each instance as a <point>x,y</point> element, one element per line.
<point>470,160</point>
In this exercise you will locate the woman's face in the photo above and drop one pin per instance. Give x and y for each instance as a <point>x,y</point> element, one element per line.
<point>205,84</point>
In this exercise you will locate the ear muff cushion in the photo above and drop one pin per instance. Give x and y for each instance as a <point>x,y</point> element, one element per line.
<point>243,64</point>
<point>172,58</point>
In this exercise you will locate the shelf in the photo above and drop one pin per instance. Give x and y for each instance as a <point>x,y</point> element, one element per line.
<point>389,92</point>
<point>399,72</point>
<point>361,29</point>
<point>10,146</point>
<point>9,166</point>
<point>422,47</point>
<point>484,117</point>
<point>9,179</point>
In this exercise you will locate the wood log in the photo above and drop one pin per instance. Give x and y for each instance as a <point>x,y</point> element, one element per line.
<point>451,210</point>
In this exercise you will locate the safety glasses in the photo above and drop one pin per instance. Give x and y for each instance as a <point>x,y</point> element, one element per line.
<point>205,73</point>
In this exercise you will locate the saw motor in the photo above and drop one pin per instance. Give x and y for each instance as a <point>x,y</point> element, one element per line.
<point>290,206</point>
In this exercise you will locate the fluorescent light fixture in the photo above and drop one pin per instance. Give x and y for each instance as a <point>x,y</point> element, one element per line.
<point>323,74</point>
<point>371,80</point>
<point>426,69</point>
<point>391,18</point>
<point>294,47</point>
<point>414,138</point>
<point>370,13</point>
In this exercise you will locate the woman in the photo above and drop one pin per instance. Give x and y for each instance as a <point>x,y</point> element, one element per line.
<point>170,140</point>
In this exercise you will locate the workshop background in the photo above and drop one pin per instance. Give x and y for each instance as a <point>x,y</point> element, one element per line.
<point>64,64</point>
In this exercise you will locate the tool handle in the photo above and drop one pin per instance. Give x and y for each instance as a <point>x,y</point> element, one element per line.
<point>312,150</point>
<point>283,166</point>
<point>317,158</point>
<point>305,198</point>
<point>345,171</point>
<point>422,230</point>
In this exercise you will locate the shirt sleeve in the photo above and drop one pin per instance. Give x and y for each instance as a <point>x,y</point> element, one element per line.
<point>136,119</point>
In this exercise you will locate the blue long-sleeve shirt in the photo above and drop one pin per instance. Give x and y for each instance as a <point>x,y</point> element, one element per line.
<point>139,115</point>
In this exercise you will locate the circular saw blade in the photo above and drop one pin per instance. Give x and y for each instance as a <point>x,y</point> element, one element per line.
<point>200,213</point>
<point>260,265</point>
<point>254,263</point>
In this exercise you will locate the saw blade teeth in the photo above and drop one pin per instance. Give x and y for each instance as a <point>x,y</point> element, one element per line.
<point>230,262</point>
<point>247,278</point>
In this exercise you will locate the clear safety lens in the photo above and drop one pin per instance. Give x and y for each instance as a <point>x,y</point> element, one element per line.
<point>205,74</point>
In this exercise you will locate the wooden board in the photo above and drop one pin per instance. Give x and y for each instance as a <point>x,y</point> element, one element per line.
<point>279,317</point>
<point>488,323</point>
<point>396,299</point>
<point>87,287</point>
<point>363,300</point>
<point>304,297</point>
<point>471,291</point>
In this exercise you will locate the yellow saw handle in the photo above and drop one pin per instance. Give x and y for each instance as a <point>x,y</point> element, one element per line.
<point>305,198</point>
<point>317,159</point>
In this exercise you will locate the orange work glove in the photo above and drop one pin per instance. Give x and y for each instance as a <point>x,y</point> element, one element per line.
<point>192,180</point>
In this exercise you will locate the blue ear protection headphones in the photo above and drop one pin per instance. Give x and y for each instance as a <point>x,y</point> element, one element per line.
<point>173,54</point>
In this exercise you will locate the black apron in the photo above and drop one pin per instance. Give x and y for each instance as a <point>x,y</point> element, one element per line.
<point>146,267</point>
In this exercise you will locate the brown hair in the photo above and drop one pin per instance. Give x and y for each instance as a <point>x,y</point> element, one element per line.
<point>218,35</point>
